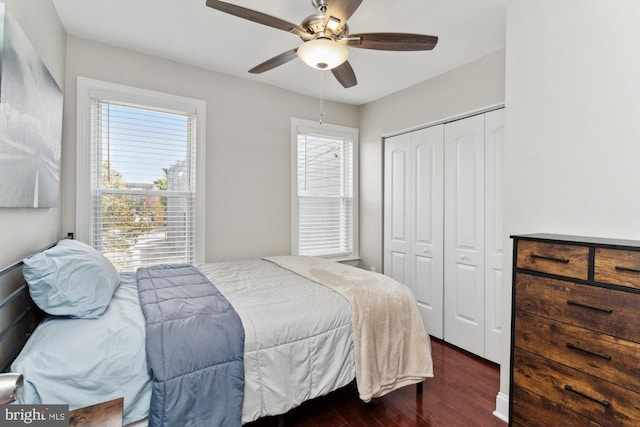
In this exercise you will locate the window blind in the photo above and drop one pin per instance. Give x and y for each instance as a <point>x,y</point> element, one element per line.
<point>325,195</point>
<point>143,184</point>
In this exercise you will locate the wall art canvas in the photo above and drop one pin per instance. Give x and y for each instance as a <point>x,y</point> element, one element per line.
<point>30,123</point>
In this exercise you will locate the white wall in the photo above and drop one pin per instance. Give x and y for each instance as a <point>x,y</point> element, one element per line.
<point>572,152</point>
<point>248,144</point>
<point>25,230</point>
<point>465,89</point>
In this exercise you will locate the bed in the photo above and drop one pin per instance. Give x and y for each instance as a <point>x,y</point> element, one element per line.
<point>308,327</point>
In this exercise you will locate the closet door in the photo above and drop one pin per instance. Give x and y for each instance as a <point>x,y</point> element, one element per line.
<point>413,219</point>
<point>396,208</point>
<point>427,233</point>
<point>493,153</point>
<point>464,234</point>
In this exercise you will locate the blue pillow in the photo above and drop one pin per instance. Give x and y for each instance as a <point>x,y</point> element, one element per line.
<point>71,279</point>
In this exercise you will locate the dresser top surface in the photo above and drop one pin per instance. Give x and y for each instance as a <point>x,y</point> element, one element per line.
<point>579,240</point>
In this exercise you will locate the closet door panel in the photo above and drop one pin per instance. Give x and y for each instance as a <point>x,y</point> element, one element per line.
<point>467,195</point>
<point>494,148</point>
<point>464,234</point>
<point>396,209</point>
<point>429,295</point>
<point>466,298</point>
<point>427,149</point>
<point>398,262</point>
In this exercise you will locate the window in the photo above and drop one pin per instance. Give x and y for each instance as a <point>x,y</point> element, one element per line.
<point>140,192</point>
<point>324,190</point>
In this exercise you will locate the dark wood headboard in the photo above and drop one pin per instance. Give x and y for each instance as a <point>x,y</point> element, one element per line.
<point>18,314</point>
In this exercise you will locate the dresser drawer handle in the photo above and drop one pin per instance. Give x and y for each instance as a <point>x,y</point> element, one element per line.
<point>584,350</point>
<point>579,393</point>
<point>550,258</point>
<point>627,269</point>
<point>590,307</point>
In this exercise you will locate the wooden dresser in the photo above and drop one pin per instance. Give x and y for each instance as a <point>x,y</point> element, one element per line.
<point>575,340</point>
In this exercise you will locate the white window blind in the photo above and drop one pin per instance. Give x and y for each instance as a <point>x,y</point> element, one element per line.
<point>143,184</point>
<point>326,220</point>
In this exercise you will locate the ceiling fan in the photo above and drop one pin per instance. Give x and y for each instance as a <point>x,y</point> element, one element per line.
<point>325,35</point>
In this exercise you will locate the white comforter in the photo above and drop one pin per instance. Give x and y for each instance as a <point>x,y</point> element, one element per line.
<point>298,335</point>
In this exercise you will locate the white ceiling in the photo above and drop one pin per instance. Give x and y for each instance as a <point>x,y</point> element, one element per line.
<point>190,32</point>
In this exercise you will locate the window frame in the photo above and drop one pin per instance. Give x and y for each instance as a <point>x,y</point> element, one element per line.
<point>89,90</point>
<point>327,130</point>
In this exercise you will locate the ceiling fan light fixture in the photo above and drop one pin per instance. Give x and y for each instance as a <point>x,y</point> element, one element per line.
<point>323,53</point>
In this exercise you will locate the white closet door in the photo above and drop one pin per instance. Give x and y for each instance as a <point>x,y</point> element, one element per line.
<point>427,234</point>
<point>464,234</point>
<point>494,147</point>
<point>396,208</point>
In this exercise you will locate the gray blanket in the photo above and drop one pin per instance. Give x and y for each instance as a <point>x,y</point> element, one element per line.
<point>195,343</point>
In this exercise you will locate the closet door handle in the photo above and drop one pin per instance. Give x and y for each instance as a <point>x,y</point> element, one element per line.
<point>550,258</point>
<point>590,307</point>
<point>593,353</point>
<point>627,269</point>
<point>586,396</point>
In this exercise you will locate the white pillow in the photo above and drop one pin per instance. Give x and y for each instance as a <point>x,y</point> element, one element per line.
<point>71,279</point>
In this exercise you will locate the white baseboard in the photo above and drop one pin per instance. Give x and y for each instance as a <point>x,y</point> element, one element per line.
<point>502,407</point>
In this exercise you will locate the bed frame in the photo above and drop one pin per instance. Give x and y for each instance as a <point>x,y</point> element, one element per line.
<point>19,315</point>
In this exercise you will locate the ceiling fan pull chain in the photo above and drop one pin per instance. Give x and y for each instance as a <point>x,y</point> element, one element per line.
<point>321,95</point>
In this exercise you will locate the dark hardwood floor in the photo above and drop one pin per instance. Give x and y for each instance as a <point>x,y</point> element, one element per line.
<point>462,393</point>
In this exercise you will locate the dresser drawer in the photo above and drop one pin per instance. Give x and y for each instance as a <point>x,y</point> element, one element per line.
<point>554,258</point>
<point>604,310</point>
<point>592,398</point>
<point>600,355</point>
<point>618,267</point>
<point>531,410</point>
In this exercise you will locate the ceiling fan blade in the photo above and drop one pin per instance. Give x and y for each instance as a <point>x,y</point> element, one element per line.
<point>392,41</point>
<point>274,62</point>
<point>340,10</point>
<point>345,75</point>
<point>259,17</point>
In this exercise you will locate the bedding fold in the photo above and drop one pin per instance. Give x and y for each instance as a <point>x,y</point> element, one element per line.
<point>391,346</point>
<point>195,343</point>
